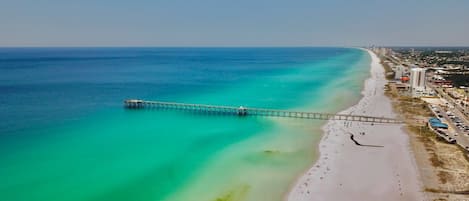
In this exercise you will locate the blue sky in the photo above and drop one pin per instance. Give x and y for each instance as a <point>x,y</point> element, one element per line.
<point>233,22</point>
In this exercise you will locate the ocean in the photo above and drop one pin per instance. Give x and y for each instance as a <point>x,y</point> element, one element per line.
<point>65,135</point>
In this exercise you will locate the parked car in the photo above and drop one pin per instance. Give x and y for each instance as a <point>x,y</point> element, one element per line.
<point>451,140</point>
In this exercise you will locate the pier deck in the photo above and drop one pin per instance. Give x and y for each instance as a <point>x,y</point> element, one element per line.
<point>244,111</point>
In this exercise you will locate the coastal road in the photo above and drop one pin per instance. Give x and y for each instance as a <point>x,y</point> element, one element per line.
<point>462,138</point>
<point>463,111</point>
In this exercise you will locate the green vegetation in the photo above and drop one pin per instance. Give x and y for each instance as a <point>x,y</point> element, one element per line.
<point>459,79</point>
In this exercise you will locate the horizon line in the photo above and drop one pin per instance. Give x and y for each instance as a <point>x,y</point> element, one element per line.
<point>234,46</point>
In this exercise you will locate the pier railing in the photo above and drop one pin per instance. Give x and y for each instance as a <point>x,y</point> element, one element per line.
<point>244,111</point>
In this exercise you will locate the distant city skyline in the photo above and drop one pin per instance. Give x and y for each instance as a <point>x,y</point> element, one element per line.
<point>215,23</point>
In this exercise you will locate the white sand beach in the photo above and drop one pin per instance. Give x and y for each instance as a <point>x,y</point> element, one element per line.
<point>348,172</point>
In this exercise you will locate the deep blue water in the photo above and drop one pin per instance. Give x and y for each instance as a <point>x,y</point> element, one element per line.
<point>44,85</point>
<point>64,134</point>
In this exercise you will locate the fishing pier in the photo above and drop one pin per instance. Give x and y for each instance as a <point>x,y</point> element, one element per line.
<point>245,111</point>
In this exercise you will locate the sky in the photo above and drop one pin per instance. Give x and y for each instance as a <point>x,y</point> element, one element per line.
<point>234,23</point>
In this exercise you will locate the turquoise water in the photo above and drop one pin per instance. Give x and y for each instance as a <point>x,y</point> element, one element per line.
<point>65,135</point>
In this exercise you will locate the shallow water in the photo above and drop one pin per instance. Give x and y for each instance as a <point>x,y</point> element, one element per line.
<point>64,134</point>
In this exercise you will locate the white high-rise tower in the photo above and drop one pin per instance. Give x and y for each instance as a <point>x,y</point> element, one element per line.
<point>417,80</point>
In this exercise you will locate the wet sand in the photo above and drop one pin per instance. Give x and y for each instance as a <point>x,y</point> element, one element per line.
<point>383,169</point>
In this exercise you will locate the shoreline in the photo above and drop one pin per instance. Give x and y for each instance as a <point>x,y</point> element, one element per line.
<point>322,133</point>
<point>335,171</point>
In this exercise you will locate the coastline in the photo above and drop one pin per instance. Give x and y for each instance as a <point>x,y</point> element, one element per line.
<point>254,152</point>
<point>341,161</point>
